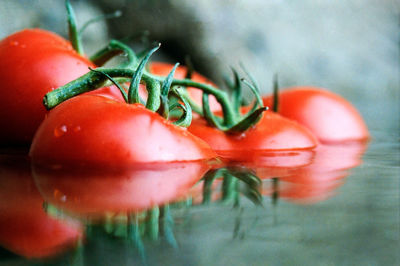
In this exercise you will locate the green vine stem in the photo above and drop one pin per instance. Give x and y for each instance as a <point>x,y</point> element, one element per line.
<point>232,122</point>
<point>115,14</point>
<point>93,80</point>
<point>73,32</point>
<point>275,103</point>
<point>111,50</point>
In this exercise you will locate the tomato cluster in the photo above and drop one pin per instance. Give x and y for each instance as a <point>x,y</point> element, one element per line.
<point>102,128</point>
<point>77,116</point>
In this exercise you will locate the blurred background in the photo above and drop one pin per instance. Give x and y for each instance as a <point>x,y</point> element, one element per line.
<point>350,47</point>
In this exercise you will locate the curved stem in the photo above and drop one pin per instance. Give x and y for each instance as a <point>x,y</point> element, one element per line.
<point>221,96</point>
<point>186,119</point>
<point>112,49</point>
<point>73,30</point>
<point>115,14</point>
<point>93,80</point>
<point>122,90</point>
<point>133,93</point>
<point>153,98</point>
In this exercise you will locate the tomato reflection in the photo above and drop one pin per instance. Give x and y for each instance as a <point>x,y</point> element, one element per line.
<point>275,163</point>
<point>25,228</point>
<point>320,179</point>
<point>94,191</point>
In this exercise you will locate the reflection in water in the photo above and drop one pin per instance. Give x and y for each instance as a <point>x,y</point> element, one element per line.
<point>137,204</point>
<point>126,203</point>
<point>25,229</point>
<point>97,192</point>
<point>318,180</point>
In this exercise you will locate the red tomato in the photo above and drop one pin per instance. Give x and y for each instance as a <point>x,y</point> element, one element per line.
<point>32,63</point>
<point>272,133</point>
<point>163,69</point>
<point>25,228</point>
<point>95,129</point>
<point>330,117</point>
<point>122,190</point>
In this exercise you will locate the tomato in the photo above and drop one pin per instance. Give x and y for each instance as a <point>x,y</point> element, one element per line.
<point>95,129</point>
<point>25,228</point>
<point>330,117</point>
<point>272,133</point>
<point>163,69</point>
<point>122,190</point>
<point>32,63</point>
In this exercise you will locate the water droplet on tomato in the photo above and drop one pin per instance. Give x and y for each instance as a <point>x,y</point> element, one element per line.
<point>58,195</point>
<point>14,43</point>
<point>59,131</point>
<point>77,128</point>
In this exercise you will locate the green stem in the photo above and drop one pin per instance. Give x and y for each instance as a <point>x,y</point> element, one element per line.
<point>154,92</point>
<point>112,49</point>
<point>115,14</point>
<point>74,37</point>
<point>93,80</point>
<point>275,106</point>
<point>133,93</point>
<point>221,96</point>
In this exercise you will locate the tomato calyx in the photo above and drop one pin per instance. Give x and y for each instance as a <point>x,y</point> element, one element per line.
<point>158,88</point>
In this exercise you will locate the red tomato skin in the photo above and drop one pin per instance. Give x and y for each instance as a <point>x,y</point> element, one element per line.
<point>272,133</point>
<point>330,117</point>
<point>32,63</point>
<point>96,129</point>
<point>163,69</point>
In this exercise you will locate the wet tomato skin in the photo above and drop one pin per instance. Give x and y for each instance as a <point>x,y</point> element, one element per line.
<point>329,117</point>
<point>32,63</point>
<point>96,129</point>
<point>271,133</point>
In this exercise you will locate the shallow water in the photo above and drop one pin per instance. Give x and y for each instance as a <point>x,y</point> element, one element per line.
<point>307,216</point>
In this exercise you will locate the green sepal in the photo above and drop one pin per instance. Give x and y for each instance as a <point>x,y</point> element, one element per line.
<point>237,92</point>
<point>275,103</point>
<point>73,30</point>
<point>186,118</point>
<point>247,122</point>
<point>122,90</point>
<point>133,93</point>
<point>255,91</point>
<point>166,86</point>
<point>208,115</point>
